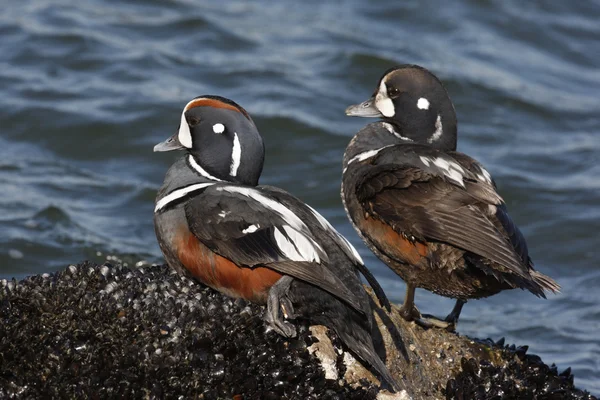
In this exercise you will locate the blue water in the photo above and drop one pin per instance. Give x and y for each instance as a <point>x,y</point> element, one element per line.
<point>87,89</point>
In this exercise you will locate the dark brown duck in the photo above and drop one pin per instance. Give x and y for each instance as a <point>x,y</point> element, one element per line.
<point>432,214</point>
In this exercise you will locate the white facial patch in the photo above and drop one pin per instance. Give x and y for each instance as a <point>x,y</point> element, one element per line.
<point>218,128</point>
<point>292,219</point>
<point>383,103</point>
<point>251,228</point>
<point>184,135</point>
<point>423,104</point>
<point>236,155</point>
<point>346,245</point>
<point>439,129</point>
<point>201,170</point>
<point>296,246</point>
<point>179,193</point>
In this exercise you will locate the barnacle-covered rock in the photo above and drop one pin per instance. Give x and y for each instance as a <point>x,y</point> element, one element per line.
<point>94,331</point>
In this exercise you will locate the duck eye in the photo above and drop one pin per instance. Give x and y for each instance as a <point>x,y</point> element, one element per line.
<point>392,91</point>
<point>192,121</point>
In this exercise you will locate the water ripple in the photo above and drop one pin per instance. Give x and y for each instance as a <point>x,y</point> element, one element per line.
<point>88,88</point>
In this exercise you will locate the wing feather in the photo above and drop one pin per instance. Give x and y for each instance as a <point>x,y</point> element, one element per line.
<point>251,233</point>
<point>421,199</point>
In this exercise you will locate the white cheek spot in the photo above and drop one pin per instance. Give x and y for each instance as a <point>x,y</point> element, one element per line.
<point>423,104</point>
<point>236,155</point>
<point>218,128</point>
<point>383,103</point>
<point>184,135</point>
<point>439,129</point>
<point>251,228</point>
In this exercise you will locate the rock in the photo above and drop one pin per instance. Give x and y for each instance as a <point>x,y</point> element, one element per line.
<point>105,332</point>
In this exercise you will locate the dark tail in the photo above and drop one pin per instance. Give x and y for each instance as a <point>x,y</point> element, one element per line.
<point>545,283</point>
<point>381,296</point>
<point>360,343</point>
<point>353,328</point>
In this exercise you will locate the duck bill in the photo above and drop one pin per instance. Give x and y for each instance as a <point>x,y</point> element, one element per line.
<point>170,144</point>
<point>365,109</point>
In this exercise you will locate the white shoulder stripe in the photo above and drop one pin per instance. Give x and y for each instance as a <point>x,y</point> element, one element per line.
<point>201,170</point>
<point>292,219</point>
<point>177,194</point>
<point>366,155</point>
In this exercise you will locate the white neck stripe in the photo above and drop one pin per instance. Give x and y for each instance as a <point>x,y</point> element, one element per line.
<point>391,130</point>
<point>438,130</point>
<point>201,170</point>
<point>288,215</point>
<point>179,193</point>
<point>236,155</point>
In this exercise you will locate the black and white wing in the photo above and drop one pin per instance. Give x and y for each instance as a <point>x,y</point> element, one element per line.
<point>251,228</point>
<point>321,226</point>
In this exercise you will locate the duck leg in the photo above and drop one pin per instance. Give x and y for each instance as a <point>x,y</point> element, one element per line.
<point>452,318</point>
<point>279,308</point>
<point>410,312</point>
<point>448,323</point>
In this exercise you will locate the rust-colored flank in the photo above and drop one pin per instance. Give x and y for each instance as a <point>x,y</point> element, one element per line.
<point>218,272</point>
<point>394,243</point>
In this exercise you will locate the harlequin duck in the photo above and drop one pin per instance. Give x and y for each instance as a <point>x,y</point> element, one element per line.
<point>258,243</point>
<point>432,214</point>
